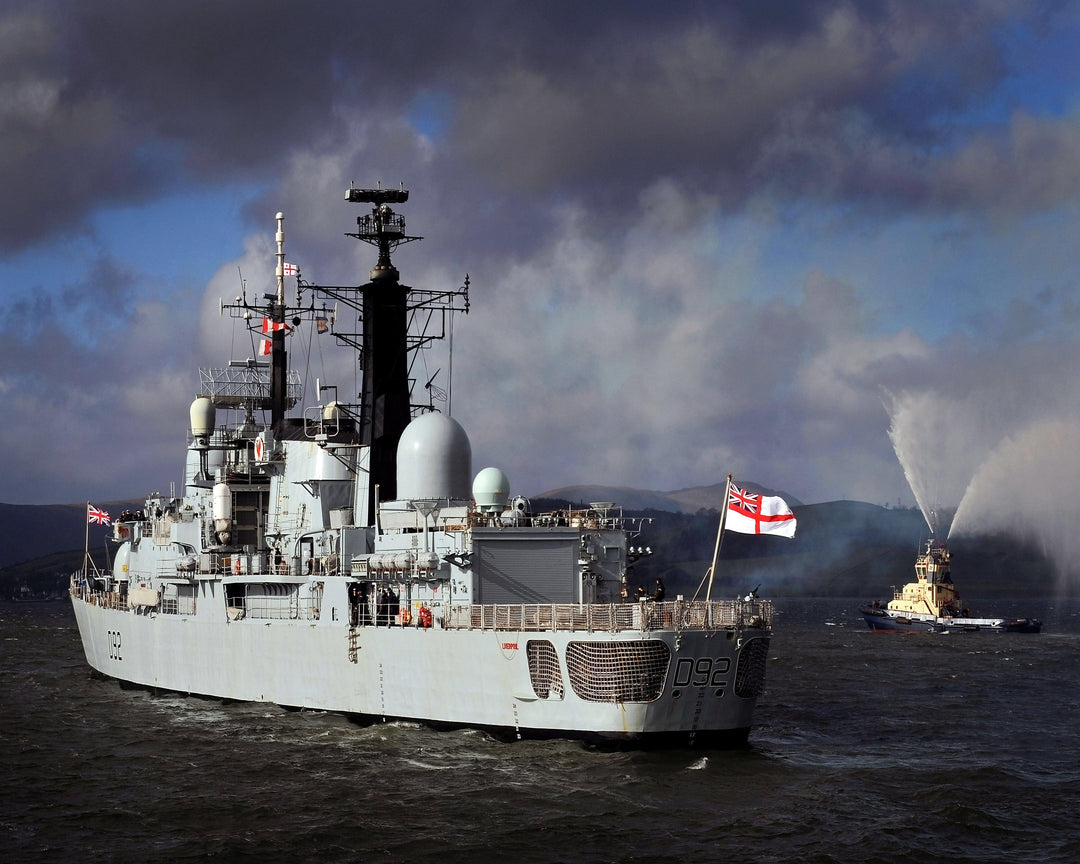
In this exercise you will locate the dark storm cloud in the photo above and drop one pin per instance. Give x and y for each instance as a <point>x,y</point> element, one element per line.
<point>621,176</point>
<point>117,101</point>
<point>78,367</point>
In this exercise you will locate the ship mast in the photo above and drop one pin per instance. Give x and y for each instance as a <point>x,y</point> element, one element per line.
<point>278,359</point>
<point>384,395</point>
<point>395,322</point>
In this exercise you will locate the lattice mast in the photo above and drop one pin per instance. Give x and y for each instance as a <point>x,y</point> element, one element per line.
<point>255,385</point>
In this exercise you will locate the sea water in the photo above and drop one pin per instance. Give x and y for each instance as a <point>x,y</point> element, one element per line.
<point>866,747</point>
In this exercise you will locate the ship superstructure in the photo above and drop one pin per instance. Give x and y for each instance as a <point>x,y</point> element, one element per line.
<point>348,559</point>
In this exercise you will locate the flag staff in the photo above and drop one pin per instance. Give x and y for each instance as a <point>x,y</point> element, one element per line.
<point>86,547</point>
<point>716,551</point>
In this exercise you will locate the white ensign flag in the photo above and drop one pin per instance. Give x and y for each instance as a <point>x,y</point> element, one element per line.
<point>750,513</point>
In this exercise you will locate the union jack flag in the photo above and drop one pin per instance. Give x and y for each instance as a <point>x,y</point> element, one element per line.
<point>748,502</point>
<point>95,516</point>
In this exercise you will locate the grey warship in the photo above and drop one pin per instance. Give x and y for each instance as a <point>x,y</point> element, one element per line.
<point>340,553</point>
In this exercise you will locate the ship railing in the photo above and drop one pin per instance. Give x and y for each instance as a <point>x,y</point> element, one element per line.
<point>277,602</point>
<point>97,597</point>
<point>644,616</point>
<point>590,518</point>
<point>178,600</point>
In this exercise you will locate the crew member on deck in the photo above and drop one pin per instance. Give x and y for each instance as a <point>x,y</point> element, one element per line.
<point>354,603</point>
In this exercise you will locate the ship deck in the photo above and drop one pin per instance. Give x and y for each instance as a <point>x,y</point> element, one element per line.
<point>643,616</point>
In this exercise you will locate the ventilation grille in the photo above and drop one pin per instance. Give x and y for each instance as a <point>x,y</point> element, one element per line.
<point>750,673</point>
<point>547,680</point>
<point>617,671</point>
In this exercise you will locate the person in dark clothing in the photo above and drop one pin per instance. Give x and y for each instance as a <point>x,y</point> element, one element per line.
<point>354,603</point>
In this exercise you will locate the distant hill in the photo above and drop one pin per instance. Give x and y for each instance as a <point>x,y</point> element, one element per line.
<point>841,548</point>
<point>43,578</point>
<point>29,531</point>
<point>40,545</point>
<point>680,501</point>
<point>623,496</point>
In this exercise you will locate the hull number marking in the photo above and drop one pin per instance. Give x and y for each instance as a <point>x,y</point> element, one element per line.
<point>701,672</point>
<point>114,644</point>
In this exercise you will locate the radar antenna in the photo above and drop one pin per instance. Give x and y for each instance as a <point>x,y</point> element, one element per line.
<point>382,227</point>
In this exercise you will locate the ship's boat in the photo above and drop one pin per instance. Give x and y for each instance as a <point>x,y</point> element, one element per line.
<point>348,559</point>
<point>932,604</point>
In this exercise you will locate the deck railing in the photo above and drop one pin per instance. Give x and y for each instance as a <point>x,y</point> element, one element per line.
<point>95,597</point>
<point>644,616</point>
<point>612,617</point>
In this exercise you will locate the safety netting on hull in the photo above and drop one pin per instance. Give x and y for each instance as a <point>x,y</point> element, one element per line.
<point>544,671</point>
<point>750,673</point>
<point>617,671</point>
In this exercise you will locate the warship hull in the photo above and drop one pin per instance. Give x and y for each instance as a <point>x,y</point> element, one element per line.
<point>654,687</point>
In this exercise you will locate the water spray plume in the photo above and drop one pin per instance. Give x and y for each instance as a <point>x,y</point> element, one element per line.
<point>940,443</point>
<point>1027,488</point>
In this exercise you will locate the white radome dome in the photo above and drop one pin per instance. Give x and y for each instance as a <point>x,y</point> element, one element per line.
<point>491,490</point>
<point>434,459</point>
<point>202,417</point>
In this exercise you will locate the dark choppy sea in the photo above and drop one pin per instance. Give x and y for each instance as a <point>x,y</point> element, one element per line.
<point>868,747</point>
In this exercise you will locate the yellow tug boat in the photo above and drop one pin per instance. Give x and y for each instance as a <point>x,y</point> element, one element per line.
<point>932,604</point>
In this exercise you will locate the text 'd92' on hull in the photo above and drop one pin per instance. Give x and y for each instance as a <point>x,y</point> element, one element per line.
<point>346,558</point>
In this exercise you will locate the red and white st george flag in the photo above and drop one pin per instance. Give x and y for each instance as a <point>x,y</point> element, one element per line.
<point>94,516</point>
<point>268,328</point>
<point>288,269</point>
<point>751,513</point>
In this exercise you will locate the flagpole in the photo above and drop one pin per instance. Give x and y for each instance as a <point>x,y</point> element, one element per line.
<point>86,546</point>
<point>719,538</point>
